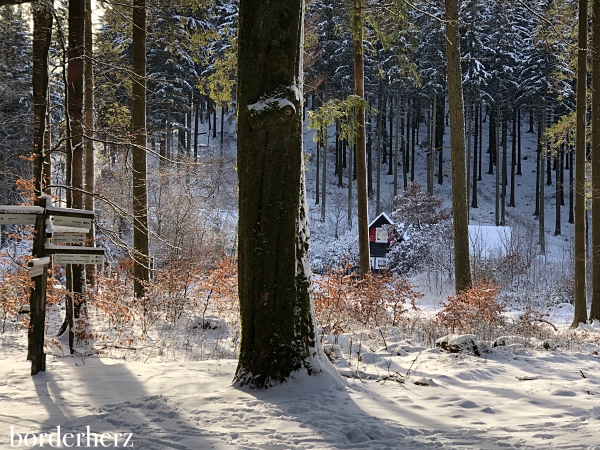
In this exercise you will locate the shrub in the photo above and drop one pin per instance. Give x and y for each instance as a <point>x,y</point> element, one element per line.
<point>476,311</point>
<point>422,229</point>
<point>343,302</point>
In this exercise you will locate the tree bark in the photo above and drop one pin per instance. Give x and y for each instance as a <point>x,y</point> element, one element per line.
<point>406,144</point>
<point>75,106</point>
<point>42,34</point>
<point>513,158</point>
<point>439,136</point>
<point>396,148</point>
<point>379,150</point>
<point>360,162</point>
<point>519,143</point>
<point>595,306</point>
<point>571,187</point>
<point>504,166</point>
<point>390,160</point>
<point>141,261</point>
<point>542,216</point>
<point>278,330</point>
<point>475,157</point>
<point>89,132</point>
<point>460,206</point>
<point>492,141</point>
<point>497,160</point>
<point>580,314</point>
<point>324,185</point>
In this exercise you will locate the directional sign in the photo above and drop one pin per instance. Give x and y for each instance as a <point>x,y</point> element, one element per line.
<point>78,258</point>
<point>43,261</point>
<point>77,222</point>
<point>17,219</point>
<point>36,271</point>
<point>68,238</point>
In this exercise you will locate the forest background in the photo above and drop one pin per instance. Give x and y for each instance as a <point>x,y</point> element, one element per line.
<point>518,69</point>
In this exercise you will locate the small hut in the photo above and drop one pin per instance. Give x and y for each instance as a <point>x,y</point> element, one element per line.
<point>379,241</point>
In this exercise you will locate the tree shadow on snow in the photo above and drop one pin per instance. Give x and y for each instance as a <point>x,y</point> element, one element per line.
<point>110,398</point>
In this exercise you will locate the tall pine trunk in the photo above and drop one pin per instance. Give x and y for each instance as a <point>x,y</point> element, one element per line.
<point>595,307</point>
<point>460,206</point>
<point>141,262</point>
<point>90,163</point>
<point>397,147</point>
<point>42,33</point>
<point>379,150</point>
<point>542,216</point>
<point>324,185</point>
<point>580,314</point>
<point>513,157</point>
<point>504,166</point>
<point>75,107</point>
<point>360,161</point>
<point>475,157</point>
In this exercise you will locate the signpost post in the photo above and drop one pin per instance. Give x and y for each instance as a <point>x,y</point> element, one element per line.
<point>68,226</point>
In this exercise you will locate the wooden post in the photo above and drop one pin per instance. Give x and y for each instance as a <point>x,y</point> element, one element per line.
<point>37,301</point>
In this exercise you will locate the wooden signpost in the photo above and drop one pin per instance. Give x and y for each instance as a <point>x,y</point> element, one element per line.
<point>66,226</point>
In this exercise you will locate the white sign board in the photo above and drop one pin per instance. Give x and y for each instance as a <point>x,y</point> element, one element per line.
<point>17,219</point>
<point>36,271</point>
<point>68,238</point>
<point>78,258</point>
<point>76,222</point>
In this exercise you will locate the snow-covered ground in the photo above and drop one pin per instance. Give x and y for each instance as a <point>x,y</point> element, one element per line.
<point>508,399</point>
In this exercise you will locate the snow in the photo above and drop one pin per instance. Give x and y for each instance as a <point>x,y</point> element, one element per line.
<point>489,240</point>
<point>536,400</point>
<point>270,103</point>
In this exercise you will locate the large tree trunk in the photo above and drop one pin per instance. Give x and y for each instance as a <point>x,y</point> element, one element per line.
<point>89,131</point>
<point>278,330</point>
<point>580,314</point>
<point>141,262</point>
<point>42,34</point>
<point>75,107</point>
<point>460,206</point>
<point>595,307</point>
<point>360,162</point>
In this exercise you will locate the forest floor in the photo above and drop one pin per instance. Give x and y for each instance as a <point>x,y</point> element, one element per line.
<point>404,395</point>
